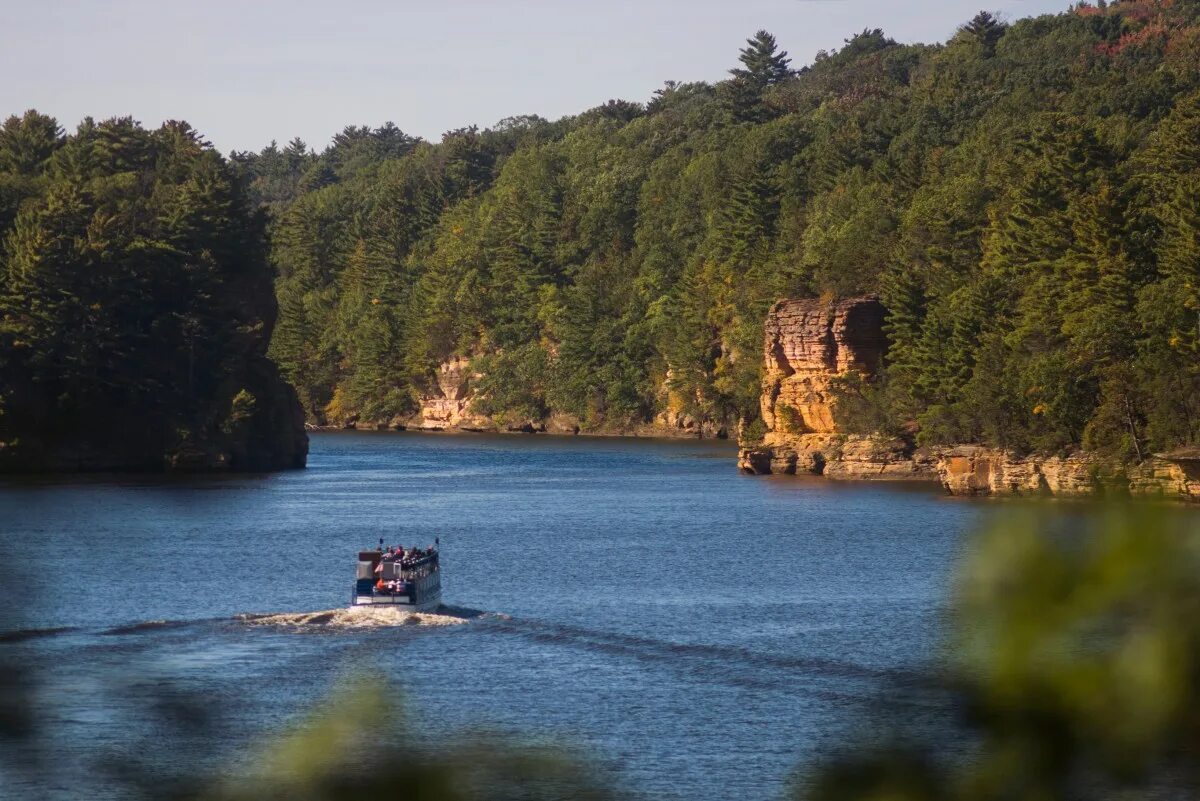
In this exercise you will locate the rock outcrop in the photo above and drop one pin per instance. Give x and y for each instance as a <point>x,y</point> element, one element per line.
<point>1175,474</point>
<point>808,345</point>
<point>448,404</point>
<point>261,429</point>
<point>244,417</point>
<point>976,470</point>
<point>879,458</point>
<point>675,419</point>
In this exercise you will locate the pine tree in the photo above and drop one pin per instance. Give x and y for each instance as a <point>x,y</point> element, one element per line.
<point>139,298</point>
<point>986,29</point>
<point>27,142</point>
<point>750,219</point>
<point>764,64</point>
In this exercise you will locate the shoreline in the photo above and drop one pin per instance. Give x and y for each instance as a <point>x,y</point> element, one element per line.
<point>455,431</point>
<point>976,470</point>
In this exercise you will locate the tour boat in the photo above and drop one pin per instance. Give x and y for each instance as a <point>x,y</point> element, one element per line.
<point>408,580</point>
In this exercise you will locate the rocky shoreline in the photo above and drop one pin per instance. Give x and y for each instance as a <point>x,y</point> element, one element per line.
<point>810,344</point>
<point>449,405</point>
<point>974,470</point>
<point>634,432</point>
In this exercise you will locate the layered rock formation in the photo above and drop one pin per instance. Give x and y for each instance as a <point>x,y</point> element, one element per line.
<point>975,470</point>
<point>808,344</point>
<point>1175,474</point>
<point>880,458</point>
<point>449,404</point>
<point>676,421</point>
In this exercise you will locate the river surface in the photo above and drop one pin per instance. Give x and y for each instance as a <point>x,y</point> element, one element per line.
<point>693,632</point>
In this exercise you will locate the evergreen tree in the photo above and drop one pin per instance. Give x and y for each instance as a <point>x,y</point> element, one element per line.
<point>27,142</point>
<point>986,29</point>
<point>1020,199</point>
<point>136,306</point>
<point>763,66</point>
<point>763,63</point>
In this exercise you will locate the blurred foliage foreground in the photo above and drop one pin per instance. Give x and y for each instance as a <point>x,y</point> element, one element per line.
<point>1071,670</point>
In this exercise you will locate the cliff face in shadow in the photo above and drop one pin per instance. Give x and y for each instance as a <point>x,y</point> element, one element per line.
<point>253,424</point>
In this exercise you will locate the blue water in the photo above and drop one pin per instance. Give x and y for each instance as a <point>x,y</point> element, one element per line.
<point>693,632</point>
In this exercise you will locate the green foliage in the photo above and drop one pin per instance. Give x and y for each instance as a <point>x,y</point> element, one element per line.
<point>985,29</point>
<point>1021,198</point>
<point>790,421</point>
<point>28,142</point>
<point>514,385</point>
<point>754,432</point>
<point>1073,652</point>
<point>324,758</point>
<point>763,63</point>
<point>135,302</point>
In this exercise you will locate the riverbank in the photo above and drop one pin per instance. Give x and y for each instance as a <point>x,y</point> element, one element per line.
<point>974,470</point>
<point>648,431</point>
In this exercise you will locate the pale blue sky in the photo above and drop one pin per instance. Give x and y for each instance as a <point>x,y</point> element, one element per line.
<point>245,72</point>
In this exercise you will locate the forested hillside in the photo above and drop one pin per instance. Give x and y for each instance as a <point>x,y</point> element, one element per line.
<point>135,306</point>
<point>1024,198</point>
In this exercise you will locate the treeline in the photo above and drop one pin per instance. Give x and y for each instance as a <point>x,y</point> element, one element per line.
<point>1024,198</point>
<point>136,305</point>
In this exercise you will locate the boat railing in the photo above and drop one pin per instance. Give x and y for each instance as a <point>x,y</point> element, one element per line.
<point>410,578</point>
<point>414,590</point>
<point>416,568</point>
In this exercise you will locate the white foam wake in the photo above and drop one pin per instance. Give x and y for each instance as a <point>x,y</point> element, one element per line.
<point>361,617</point>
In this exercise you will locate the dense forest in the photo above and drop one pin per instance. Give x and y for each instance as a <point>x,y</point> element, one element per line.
<point>1023,198</point>
<point>136,305</point>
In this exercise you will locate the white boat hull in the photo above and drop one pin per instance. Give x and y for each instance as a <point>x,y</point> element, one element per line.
<point>419,578</point>
<point>400,602</point>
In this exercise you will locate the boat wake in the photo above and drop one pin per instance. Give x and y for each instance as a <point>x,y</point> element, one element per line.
<point>740,666</point>
<point>364,617</point>
<point>20,635</point>
<point>147,626</point>
<point>357,617</point>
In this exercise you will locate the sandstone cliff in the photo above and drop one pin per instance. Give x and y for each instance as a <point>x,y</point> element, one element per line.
<point>975,470</point>
<point>448,404</point>
<point>808,344</point>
